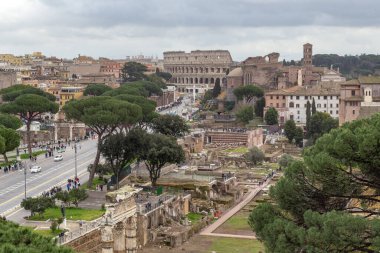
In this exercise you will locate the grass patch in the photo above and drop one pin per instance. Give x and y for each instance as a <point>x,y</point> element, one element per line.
<point>95,182</point>
<point>194,217</point>
<point>72,213</point>
<point>48,232</point>
<point>37,153</point>
<point>235,245</point>
<point>238,221</point>
<point>239,150</point>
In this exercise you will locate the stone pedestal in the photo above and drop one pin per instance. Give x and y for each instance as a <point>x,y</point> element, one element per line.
<point>131,231</point>
<point>119,238</point>
<point>107,239</point>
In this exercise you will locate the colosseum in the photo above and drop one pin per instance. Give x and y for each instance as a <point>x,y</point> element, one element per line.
<point>198,70</point>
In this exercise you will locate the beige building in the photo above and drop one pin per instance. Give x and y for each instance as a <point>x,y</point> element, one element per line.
<point>7,78</point>
<point>198,70</point>
<point>359,98</point>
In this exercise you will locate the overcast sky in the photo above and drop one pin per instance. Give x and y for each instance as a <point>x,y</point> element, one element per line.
<point>117,28</point>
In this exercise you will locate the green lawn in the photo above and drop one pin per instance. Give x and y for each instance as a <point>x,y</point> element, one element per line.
<point>37,153</point>
<point>95,182</point>
<point>48,232</point>
<point>238,221</point>
<point>235,245</point>
<point>194,217</point>
<point>72,213</point>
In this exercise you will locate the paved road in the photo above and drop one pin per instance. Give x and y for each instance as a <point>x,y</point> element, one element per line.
<point>53,173</point>
<point>248,197</point>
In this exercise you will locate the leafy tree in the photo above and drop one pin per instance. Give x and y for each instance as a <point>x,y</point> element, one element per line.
<point>229,105</point>
<point>290,130</point>
<point>17,239</point>
<point>313,108</point>
<point>165,75</point>
<point>248,92</point>
<point>148,107</point>
<point>298,137</point>
<point>245,114</point>
<point>157,150</point>
<point>102,115</point>
<point>285,160</point>
<point>101,169</point>
<point>308,118</point>
<point>217,89</point>
<point>271,117</point>
<point>64,197</point>
<point>96,89</point>
<point>12,92</point>
<point>156,79</point>
<point>11,140</point>
<point>133,71</point>
<point>328,201</point>
<point>29,107</point>
<point>206,97</point>
<point>259,107</point>
<point>10,121</point>
<point>76,195</point>
<point>119,150</point>
<point>171,125</point>
<point>321,123</point>
<point>37,204</point>
<point>137,90</point>
<point>255,155</point>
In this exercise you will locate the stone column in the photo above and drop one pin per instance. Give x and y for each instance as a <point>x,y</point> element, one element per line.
<point>71,131</point>
<point>55,131</point>
<point>131,230</point>
<point>107,238</point>
<point>119,238</point>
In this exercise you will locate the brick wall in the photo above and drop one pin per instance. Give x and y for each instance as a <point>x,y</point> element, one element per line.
<point>89,243</point>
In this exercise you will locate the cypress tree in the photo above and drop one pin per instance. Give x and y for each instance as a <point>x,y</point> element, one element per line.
<point>313,108</point>
<point>308,116</point>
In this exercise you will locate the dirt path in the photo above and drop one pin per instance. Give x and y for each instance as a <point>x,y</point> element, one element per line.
<point>208,231</point>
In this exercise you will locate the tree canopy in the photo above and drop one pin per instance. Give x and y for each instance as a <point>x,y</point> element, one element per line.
<point>16,239</point>
<point>217,89</point>
<point>321,123</point>
<point>11,140</point>
<point>318,199</point>
<point>290,130</point>
<point>158,150</point>
<point>133,71</point>
<point>102,115</point>
<point>259,107</point>
<point>271,117</point>
<point>245,114</point>
<point>29,107</point>
<point>248,92</point>
<point>164,75</point>
<point>10,121</point>
<point>12,92</point>
<point>96,89</point>
<point>255,155</point>
<point>171,125</point>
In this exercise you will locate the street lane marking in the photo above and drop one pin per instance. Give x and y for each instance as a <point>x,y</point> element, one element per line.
<point>54,178</point>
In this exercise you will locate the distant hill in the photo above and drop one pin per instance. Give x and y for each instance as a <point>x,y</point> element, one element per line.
<point>350,66</point>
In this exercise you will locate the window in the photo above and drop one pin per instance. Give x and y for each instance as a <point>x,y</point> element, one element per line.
<point>353,111</point>
<point>292,117</point>
<point>297,97</point>
<point>277,105</point>
<point>291,105</point>
<point>319,97</point>
<point>325,97</point>
<point>291,97</point>
<point>277,97</point>
<point>331,97</point>
<point>283,97</point>
<point>298,112</point>
<point>283,104</point>
<point>352,93</point>
<point>331,112</point>
<point>271,97</point>
<point>318,105</point>
<point>271,104</point>
<point>297,106</point>
<point>337,105</point>
<point>306,97</point>
<point>337,112</point>
<point>324,105</point>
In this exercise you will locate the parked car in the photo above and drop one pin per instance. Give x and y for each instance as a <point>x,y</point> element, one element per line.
<point>58,158</point>
<point>35,169</point>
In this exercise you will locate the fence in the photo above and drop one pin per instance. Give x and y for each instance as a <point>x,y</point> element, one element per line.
<point>84,229</point>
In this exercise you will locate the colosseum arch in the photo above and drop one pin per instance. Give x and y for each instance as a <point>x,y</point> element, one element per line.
<point>196,80</point>
<point>191,80</point>
<point>201,80</point>
<point>206,80</point>
<point>212,80</point>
